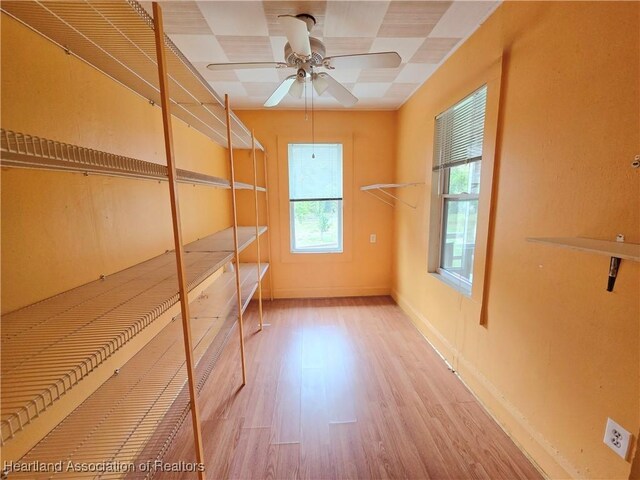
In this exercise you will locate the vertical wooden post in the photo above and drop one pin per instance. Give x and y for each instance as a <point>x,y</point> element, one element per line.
<point>235,238</point>
<point>266,186</point>
<point>177,233</point>
<point>255,195</point>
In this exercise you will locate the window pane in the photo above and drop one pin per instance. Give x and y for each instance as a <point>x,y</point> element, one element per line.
<point>464,179</point>
<point>316,226</point>
<point>319,177</point>
<point>459,237</point>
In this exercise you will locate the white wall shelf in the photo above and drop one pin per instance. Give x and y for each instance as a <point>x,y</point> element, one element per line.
<point>615,250</point>
<point>627,251</point>
<point>381,188</point>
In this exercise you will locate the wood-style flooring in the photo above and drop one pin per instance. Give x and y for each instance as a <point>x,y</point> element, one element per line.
<point>343,388</point>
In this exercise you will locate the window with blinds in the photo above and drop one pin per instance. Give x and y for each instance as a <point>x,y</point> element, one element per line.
<point>315,197</point>
<point>459,133</point>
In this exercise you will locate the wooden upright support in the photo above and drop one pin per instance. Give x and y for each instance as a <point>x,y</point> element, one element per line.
<point>266,186</point>
<point>235,238</point>
<point>255,195</point>
<point>177,233</point>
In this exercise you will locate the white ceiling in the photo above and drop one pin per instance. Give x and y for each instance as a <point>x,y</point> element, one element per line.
<point>424,33</point>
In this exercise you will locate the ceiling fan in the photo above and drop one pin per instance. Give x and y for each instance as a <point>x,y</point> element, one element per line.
<point>306,54</point>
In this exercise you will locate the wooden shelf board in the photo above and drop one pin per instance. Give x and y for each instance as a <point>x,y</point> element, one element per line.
<point>628,251</point>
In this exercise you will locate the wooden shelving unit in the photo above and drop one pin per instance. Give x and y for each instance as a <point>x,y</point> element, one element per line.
<point>75,335</point>
<point>615,250</point>
<point>381,188</point>
<point>150,388</point>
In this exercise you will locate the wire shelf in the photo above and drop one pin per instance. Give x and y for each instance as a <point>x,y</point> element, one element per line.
<point>48,347</point>
<point>20,150</point>
<point>117,38</point>
<point>134,416</point>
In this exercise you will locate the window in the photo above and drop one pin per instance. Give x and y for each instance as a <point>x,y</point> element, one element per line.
<point>459,133</point>
<point>315,197</point>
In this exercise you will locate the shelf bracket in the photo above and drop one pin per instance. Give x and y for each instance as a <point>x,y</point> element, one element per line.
<point>614,265</point>
<point>381,188</point>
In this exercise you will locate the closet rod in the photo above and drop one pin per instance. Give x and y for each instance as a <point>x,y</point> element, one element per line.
<point>177,233</point>
<point>234,212</point>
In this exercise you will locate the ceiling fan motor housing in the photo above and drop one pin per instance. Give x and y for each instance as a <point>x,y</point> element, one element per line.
<point>317,54</point>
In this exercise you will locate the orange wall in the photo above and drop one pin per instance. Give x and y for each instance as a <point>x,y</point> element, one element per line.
<point>369,147</point>
<point>61,230</point>
<point>558,354</point>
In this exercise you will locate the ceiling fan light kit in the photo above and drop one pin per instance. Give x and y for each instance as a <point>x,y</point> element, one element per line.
<point>305,54</point>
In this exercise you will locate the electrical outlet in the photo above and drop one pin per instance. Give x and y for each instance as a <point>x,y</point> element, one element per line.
<point>372,238</point>
<point>617,438</point>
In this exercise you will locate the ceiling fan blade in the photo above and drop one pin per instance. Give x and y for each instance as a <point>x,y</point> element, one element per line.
<point>280,92</point>
<point>364,60</point>
<point>297,34</point>
<point>297,89</point>
<point>320,84</point>
<point>241,66</point>
<point>338,91</point>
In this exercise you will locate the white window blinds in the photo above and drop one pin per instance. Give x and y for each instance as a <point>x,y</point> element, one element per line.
<point>318,178</point>
<point>459,132</point>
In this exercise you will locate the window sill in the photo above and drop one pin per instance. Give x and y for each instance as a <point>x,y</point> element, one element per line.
<point>463,289</point>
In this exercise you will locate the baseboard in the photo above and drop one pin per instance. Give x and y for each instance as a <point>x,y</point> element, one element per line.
<point>314,292</point>
<point>540,451</point>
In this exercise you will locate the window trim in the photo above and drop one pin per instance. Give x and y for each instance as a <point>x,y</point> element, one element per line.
<point>475,303</point>
<point>288,255</point>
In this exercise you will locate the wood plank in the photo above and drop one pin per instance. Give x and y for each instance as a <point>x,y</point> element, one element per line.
<point>628,251</point>
<point>413,418</point>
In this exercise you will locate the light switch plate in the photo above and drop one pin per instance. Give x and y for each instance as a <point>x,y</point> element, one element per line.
<point>373,238</point>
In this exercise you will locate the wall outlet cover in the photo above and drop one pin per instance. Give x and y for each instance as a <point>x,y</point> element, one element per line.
<point>373,238</point>
<point>617,438</point>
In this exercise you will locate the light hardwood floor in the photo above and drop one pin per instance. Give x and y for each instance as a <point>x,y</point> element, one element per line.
<point>343,388</point>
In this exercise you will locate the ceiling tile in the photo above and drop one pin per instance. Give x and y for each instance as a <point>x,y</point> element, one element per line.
<point>462,18</point>
<point>260,89</point>
<point>363,90</point>
<point>347,45</point>
<point>181,17</point>
<point>406,47</point>
<point>415,72</point>
<point>378,103</point>
<point>433,50</point>
<point>235,18</point>
<point>378,75</point>
<point>200,48</point>
<point>354,19</point>
<point>316,9</point>
<point>401,90</point>
<point>345,75</point>
<point>246,49</point>
<point>233,89</point>
<point>258,75</point>
<point>412,19</point>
